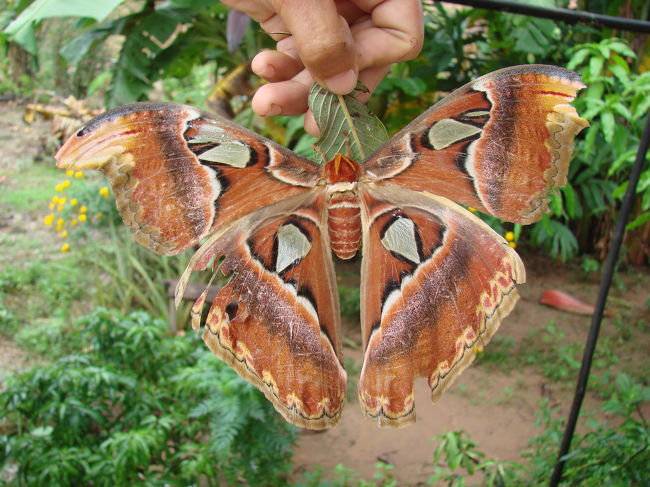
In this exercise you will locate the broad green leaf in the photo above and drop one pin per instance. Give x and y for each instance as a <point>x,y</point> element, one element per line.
<point>644,181</point>
<point>604,50</point>
<point>78,47</point>
<point>626,157</point>
<point>343,123</point>
<point>640,220</point>
<point>21,30</point>
<point>622,110</point>
<point>99,81</point>
<point>608,121</point>
<point>622,48</point>
<point>595,67</point>
<point>578,58</point>
<point>570,198</point>
<point>410,86</point>
<point>620,73</point>
<point>556,203</point>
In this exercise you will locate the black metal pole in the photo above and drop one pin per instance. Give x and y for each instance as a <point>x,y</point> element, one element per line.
<point>564,14</point>
<point>605,282</point>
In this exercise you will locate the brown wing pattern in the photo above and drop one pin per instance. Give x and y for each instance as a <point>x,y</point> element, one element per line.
<point>178,174</point>
<point>276,321</point>
<point>499,144</point>
<point>436,281</point>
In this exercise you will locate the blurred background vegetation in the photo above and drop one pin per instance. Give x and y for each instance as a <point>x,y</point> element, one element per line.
<point>121,402</point>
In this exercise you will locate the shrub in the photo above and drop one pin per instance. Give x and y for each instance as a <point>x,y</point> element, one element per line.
<point>138,406</point>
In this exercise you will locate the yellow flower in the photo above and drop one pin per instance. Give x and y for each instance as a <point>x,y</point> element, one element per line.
<point>55,199</point>
<point>48,219</point>
<point>62,201</point>
<point>473,210</point>
<point>59,208</point>
<point>509,236</point>
<point>513,244</point>
<point>73,222</point>
<point>69,172</point>
<point>82,217</point>
<point>60,222</point>
<point>52,205</point>
<point>63,234</point>
<point>59,187</point>
<point>79,174</point>
<point>104,192</point>
<point>73,202</point>
<point>65,247</point>
<point>83,209</point>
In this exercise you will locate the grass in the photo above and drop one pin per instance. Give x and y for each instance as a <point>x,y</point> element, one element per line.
<point>30,188</point>
<point>44,289</point>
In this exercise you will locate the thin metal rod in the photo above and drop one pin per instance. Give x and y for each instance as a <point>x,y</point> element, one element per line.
<point>564,14</point>
<point>605,282</point>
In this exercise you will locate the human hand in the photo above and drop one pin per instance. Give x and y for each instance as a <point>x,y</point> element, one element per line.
<point>333,42</point>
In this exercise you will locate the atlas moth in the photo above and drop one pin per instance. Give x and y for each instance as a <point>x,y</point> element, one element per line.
<point>436,281</point>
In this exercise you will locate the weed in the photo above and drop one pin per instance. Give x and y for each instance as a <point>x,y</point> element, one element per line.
<point>607,454</point>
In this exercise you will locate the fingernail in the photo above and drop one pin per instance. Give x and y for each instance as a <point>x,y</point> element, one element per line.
<point>342,83</point>
<point>274,110</point>
<point>267,72</point>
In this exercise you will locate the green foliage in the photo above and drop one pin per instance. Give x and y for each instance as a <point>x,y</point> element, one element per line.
<point>346,477</point>
<point>346,125</point>
<point>613,453</point>
<point>128,276</point>
<point>40,289</point>
<point>156,47</point>
<point>21,30</point>
<point>615,103</point>
<point>138,407</point>
<point>456,458</point>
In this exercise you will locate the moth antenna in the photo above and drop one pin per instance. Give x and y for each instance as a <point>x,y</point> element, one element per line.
<point>320,153</point>
<point>348,146</point>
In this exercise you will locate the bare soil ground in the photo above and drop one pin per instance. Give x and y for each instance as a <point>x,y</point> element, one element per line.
<point>494,404</point>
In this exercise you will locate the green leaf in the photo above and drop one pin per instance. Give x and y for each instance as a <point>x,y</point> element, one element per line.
<point>595,67</point>
<point>622,48</point>
<point>608,121</point>
<point>578,58</point>
<point>343,122</point>
<point>78,47</point>
<point>410,86</point>
<point>570,198</point>
<point>620,73</point>
<point>21,30</point>
<point>640,220</point>
<point>556,203</point>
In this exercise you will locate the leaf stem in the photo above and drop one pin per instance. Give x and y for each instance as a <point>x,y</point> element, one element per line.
<point>353,131</point>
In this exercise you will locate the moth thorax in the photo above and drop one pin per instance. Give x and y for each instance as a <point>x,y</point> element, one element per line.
<point>344,223</point>
<point>341,169</point>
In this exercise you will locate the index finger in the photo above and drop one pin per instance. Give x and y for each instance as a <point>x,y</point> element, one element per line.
<point>323,41</point>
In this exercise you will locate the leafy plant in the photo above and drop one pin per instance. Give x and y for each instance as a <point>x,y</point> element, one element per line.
<point>137,407</point>
<point>456,458</point>
<point>612,453</point>
<point>615,103</point>
<point>128,276</point>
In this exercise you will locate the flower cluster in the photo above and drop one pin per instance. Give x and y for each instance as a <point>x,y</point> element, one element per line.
<point>510,237</point>
<point>68,212</point>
